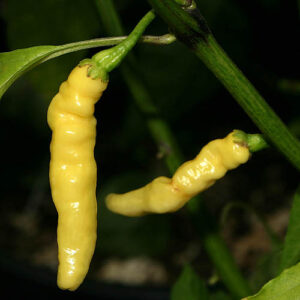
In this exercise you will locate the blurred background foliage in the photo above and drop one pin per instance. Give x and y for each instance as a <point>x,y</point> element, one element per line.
<point>259,35</point>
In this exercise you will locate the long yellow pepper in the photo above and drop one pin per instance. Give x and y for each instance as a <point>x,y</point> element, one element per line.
<point>73,170</point>
<point>73,173</point>
<point>164,195</point>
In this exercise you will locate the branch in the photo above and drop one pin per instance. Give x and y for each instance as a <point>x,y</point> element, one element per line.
<point>190,28</point>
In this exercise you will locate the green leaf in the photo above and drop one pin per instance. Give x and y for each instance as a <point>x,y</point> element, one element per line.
<point>15,63</point>
<point>189,286</point>
<point>284,287</point>
<point>291,249</point>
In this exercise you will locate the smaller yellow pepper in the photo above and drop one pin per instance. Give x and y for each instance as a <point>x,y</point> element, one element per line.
<point>164,195</point>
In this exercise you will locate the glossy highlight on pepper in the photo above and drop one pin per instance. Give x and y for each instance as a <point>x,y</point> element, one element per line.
<point>164,195</point>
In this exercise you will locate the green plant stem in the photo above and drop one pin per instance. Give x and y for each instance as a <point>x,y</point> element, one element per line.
<point>192,30</point>
<point>160,131</point>
<point>164,39</point>
<point>166,142</point>
<point>110,58</point>
<point>249,99</point>
<point>158,128</point>
<point>107,60</point>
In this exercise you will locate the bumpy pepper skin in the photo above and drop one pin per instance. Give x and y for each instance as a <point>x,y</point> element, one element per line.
<point>164,195</point>
<point>73,173</point>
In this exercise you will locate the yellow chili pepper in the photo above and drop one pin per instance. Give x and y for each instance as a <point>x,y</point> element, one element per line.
<point>73,173</point>
<point>164,195</point>
<point>73,170</point>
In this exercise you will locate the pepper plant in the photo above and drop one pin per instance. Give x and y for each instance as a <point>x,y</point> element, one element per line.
<point>185,26</point>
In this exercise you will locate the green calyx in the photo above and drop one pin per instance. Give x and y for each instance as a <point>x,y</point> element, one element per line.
<point>254,142</point>
<point>106,60</point>
<point>95,70</point>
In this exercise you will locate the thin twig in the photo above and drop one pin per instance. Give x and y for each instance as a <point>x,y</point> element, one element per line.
<point>165,39</point>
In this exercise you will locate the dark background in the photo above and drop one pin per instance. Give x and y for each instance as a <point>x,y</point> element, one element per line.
<point>262,39</point>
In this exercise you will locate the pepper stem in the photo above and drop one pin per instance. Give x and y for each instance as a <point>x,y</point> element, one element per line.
<point>254,142</point>
<point>106,60</point>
